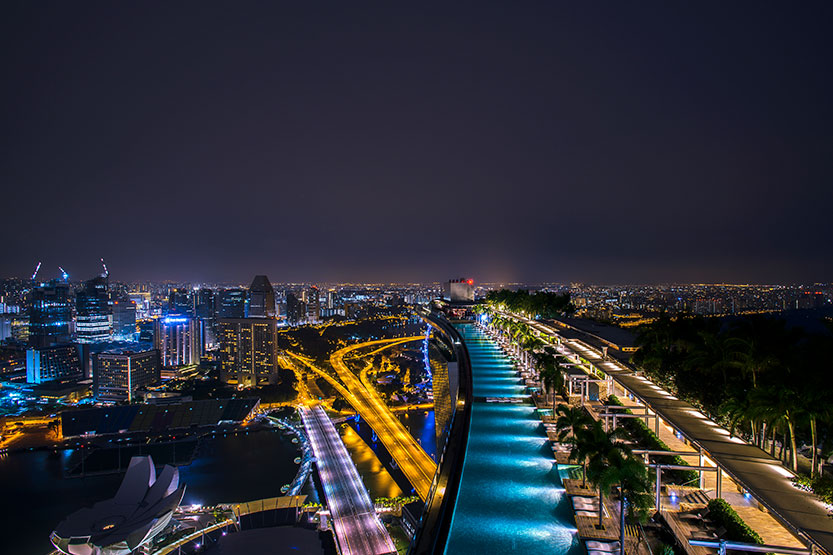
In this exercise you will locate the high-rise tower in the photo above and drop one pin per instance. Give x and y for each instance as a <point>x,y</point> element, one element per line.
<point>261,298</point>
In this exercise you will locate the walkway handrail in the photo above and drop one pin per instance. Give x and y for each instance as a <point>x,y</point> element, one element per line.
<point>432,533</point>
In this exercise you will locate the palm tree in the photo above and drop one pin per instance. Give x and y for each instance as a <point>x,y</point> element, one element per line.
<point>530,343</point>
<point>754,342</point>
<point>634,490</point>
<point>782,402</point>
<point>710,353</point>
<point>542,361</point>
<point>553,380</point>
<point>739,410</point>
<point>568,424</point>
<point>656,344</point>
<point>602,448</point>
<point>812,386</point>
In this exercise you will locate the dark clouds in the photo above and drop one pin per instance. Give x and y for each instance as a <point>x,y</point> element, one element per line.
<point>605,142</point>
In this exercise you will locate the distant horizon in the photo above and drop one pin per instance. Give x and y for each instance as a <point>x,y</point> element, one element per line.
<point>498,283</point>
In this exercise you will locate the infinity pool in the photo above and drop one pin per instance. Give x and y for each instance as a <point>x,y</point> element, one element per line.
<point>511,498</point>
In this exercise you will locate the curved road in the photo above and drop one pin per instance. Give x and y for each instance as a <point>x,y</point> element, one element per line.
<point>412,459</point>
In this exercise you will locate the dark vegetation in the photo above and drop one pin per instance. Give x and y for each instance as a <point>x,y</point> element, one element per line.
<point>766,382</point>
<point>647,439</point>
<point>539,305</point>
<point>724,516</point>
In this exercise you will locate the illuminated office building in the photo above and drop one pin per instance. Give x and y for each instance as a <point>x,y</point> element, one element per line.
<point>312,299</point>
<point>180,301</point>
<point>56,362</point>
<point>124,317</point>
<point>261,298</point>
<point>92,304</point>
<point>231,303</point>
<point>50,314</point>
<point>116,376</point>
<point>248,351</point>
<point>204,303</point>
<point>204,307</point>
<point>178,340</point>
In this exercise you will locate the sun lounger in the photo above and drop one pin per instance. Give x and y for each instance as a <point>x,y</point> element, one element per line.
<point>602,546</point>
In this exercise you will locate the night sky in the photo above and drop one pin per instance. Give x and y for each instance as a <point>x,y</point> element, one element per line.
<point>604,142</point>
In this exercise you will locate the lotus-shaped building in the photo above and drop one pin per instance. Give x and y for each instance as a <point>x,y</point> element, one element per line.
<point>141,509</point>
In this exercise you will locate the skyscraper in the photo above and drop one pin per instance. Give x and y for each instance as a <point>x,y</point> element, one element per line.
<point>92,305</point>
<point>313,302</point>
<point>116,376</point>
<point>50,314</point>
<point>180,302</point>
<point>204,304</point>
<point>204,301</point>
<point>248,351</point>
<point>178,340</point>
<point>124,317</point>
<point>296,310</point>
<point>261,298</point>
<point>231,303</point>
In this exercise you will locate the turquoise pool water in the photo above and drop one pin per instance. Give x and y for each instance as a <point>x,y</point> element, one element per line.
<point>511,499</point>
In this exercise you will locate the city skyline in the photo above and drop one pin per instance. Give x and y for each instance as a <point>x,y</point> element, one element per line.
<point>566,143</point>
<point>380,278</point>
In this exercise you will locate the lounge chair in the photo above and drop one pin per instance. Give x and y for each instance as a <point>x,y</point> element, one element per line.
<point>602,546</point>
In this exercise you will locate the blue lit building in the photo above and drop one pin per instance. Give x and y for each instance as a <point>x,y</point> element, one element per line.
<point>93,314</point>
<point>50,314</point>
<point>56,362</point>
<point>124,318</point>
<point>178,339</point>
<point>180,301</point>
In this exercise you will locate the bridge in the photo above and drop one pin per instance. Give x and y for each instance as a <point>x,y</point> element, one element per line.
<point>409,455</point>
<point>357,528</point>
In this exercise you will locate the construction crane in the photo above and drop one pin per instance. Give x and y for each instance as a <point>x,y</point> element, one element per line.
<point>106,271</point>
<point>37,269</point>
<point>64,273</point>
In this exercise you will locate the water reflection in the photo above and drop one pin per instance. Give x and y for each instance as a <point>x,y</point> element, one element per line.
<point>376,478</point>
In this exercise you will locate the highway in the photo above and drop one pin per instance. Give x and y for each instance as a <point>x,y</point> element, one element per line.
<point>357,528</point>
<point>409,455</point>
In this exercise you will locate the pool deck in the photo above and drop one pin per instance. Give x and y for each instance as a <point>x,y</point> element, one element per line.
<point>749,467</point>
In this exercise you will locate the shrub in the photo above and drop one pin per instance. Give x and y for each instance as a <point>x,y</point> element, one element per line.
<point>736,529</point>
<point>646,437</point>
<point>822,486</point>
